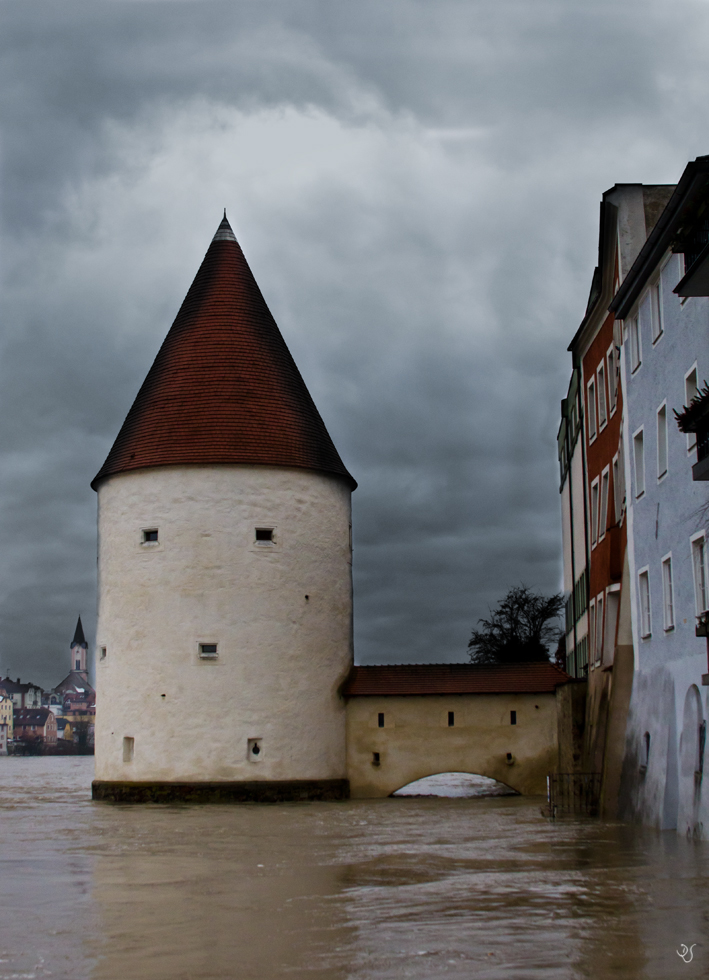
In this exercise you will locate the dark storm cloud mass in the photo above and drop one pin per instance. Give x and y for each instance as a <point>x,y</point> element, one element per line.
<point>415,185</point>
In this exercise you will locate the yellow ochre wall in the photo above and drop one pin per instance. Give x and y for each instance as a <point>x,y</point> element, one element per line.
<point>416,740</point>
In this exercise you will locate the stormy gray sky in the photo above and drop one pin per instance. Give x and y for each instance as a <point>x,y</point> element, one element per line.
<point>415,184</point>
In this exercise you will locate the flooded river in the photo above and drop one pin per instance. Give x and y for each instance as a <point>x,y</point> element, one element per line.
<point>380,890</point>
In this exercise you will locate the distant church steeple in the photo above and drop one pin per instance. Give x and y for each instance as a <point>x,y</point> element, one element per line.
<point>79,648</point>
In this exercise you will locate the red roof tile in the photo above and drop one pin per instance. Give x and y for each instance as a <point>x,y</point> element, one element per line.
<point>531,678</point>
<point>224,387</point>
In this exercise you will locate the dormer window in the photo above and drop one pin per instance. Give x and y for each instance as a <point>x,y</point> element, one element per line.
<point>150,535</point>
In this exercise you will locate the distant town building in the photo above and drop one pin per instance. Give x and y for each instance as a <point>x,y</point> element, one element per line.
<point>22,695</point>
<point>35,725</point>
<point>74,693</point>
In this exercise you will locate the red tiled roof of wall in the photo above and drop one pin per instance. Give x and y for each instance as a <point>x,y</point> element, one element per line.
<point>224,387</point>
<point>530,678</point>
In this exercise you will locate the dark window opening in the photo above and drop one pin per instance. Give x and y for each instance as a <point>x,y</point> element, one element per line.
<point>208,651</point>
<point>451,719</point>
<point>513,717</point>
<point>150,536</point>
<point>380,719</point>
<point>509,757</point>
<point>264,534</point>
<point>78,665</point>
<point>375,759</point>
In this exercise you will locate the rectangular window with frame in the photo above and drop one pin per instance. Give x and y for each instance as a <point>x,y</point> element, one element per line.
<point>691,391</point>
<point>602,404</point>
<point>599,628</point>
<point>699,567</point>
<point>668,601</point>
<point>617,499</point>
<point>591,629</point>
<point>634,338</point>
<point>603,514</point>
<point>612,378</point>
<point>656,311</point>
<point>594,513</point>
<point>661,440</point>
<point>591,410</point>
<point>644,597</point>
<point>639,461</point>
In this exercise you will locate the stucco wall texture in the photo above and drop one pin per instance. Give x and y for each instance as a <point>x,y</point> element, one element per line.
<point>417,741</point>
<point>280,614</point>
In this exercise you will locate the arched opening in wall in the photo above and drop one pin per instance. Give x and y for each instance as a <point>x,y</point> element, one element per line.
<point>462,785</point>
<point>691,746</point>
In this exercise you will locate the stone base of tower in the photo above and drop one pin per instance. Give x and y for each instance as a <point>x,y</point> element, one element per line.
<point>256,791</point>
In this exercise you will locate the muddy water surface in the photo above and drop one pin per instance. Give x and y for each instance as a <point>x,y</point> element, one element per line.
<point>381,890</point>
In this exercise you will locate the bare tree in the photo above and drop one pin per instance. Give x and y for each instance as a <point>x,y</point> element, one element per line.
<point>520,630</point>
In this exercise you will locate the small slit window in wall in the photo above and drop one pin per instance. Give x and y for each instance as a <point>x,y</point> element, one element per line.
<point>102,653</point>
<point>254,749</point>
<point>264,537</point>
<point>380,720</point>
<point>208,651</point>
<point>128,748</point>
<point>451,719</point>
<point>513,717</point>
<point>149,535</point>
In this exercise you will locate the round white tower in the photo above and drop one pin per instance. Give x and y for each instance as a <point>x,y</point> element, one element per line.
<point>224,562</point>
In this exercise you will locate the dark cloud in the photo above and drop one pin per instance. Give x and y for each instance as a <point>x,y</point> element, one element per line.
<point>416,187</point>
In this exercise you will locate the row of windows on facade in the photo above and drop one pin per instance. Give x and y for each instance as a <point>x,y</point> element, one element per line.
<point>601,403</point>
<point>701,598</point>
<point>381,723</point>
<point>602,624</point>
<point>262,536</point>
<point>600,489</point>
<point>662,441</point>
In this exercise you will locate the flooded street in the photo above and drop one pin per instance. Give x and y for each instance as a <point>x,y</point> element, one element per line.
<point>420,888</point>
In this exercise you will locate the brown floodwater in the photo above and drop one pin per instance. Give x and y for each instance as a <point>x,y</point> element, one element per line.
<point>363,890</point>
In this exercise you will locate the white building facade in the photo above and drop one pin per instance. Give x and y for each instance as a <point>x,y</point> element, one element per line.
<point>663,361</point>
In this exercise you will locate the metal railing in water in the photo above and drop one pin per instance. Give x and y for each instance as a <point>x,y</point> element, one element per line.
<point>573,794</point>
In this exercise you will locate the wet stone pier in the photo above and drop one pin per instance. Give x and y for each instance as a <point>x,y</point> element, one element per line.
<point>358,890</point>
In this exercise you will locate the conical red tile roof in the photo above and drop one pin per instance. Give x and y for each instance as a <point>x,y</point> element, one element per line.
<point>224,387</point>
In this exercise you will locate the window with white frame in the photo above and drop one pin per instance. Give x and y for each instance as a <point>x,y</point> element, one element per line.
<point>594,513</point>
<point>644,597</point>
<point>617,499</point>
<point>668,600</point>
<point>592,630</point>
<point>612,378</point>
<point>699,567</point>
<point>634,338</point>
<point>599,629</point>
<point>662,440</point>
<point>639,461</point>
<point>591,410</point>
<point>602,404</point>
<point>656,311</point>
<point>691,390</point>
<point>603,513</point>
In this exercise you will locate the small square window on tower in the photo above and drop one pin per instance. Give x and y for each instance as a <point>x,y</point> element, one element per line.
<point>150,535</point>
<point>208,651</point>
<point>264,535</point>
